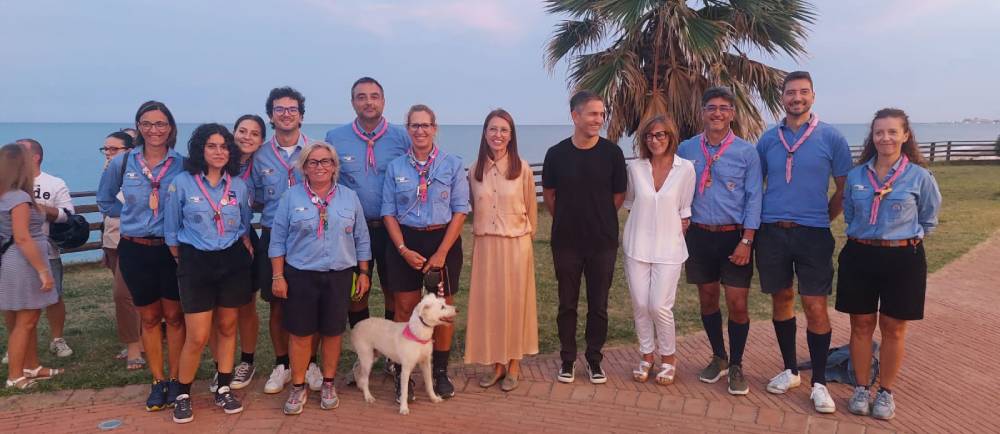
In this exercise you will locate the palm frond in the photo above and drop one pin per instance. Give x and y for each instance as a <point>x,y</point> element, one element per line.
<point>573,37</point>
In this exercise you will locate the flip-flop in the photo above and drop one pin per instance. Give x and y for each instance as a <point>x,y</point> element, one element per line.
<point>135,364</point>
<point>35,374</point>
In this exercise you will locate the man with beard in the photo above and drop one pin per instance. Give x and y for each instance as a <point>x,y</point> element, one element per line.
<point>798,157</point>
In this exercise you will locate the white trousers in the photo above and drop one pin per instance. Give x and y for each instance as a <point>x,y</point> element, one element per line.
<point>653,288</point>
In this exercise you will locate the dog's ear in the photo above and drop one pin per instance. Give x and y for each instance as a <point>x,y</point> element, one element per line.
<point>428,298</point>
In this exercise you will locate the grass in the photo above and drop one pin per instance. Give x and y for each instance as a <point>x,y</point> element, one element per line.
<point>971,212</point>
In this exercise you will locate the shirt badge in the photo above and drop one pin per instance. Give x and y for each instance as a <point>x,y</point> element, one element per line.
<point>444,194</point>
<point>231,222</point>
<point>300,209</point>
<point>267,171</point>
<point>349,229</point>
<point>730,185</point>
<point>348,158</point>
<point>171,188</point>
<point>858,187</point>
<point>131,175</point>
<point>402,179</point>
<point>195,199</point>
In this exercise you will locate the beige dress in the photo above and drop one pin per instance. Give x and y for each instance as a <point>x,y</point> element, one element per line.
<point>502,314</point>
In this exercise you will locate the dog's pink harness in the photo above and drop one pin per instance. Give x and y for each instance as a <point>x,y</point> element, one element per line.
<point>408,334</point>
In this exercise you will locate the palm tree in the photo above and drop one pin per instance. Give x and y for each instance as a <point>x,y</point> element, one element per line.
<point>647,57</point>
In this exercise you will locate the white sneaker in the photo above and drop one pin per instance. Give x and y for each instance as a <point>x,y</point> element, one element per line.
<point>784,381</point>
<point>821,399</point>
<point>314,377</point>
<point>59,347</point>
<point>278,379</point>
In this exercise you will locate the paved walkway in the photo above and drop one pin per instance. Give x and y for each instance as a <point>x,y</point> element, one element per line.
<point>946,386</point>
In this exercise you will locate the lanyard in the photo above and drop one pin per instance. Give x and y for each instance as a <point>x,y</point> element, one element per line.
<point>246,174</point>
<point>422,170</point>
<point>321,205</point>
<point>154,196</point>
<point>881,192</point>
<point>223,202</point>
<point>380,131</point>
<point>289,168</point>
<point>706,173</point>
<point>813,121</point>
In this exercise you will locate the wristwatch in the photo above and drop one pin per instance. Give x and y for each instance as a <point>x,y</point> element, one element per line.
<point>746,241</point>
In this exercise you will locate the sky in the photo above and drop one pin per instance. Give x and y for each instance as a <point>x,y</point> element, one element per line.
<point>96,61</point>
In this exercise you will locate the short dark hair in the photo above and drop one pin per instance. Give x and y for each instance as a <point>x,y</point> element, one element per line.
<point>259,120</point>
<point>126,139</point>
<point>364,80</point>
<point>284,92</point>
<point>195,162</point>
<point>582,97</point>
<point>718,92</point>
<point>797,75</point>
<point>34,146</point>
<point>153,106</point>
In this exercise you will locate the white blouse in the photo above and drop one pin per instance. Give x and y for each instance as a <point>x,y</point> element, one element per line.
<point>653,231</point>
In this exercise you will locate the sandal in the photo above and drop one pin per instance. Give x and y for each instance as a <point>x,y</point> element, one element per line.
<point>21,383</point>
<point>642,373</point>
<point>122,355</point>
<point>135,364</point>
<point>666,375</point>
<point>35,374</point>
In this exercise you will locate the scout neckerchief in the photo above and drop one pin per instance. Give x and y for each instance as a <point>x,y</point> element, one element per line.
<point>422,170</point>
<point>321,205</point>
<point>246,174</point>
<point>380,130</point>
<point>881,192</point>
<point>288,167</point>
<point>154,196</point>
<point>217,209</point>
<point>706,173</point>
<point>813,121</point>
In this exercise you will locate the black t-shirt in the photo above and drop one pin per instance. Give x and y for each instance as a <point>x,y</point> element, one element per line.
<point>585,181</point>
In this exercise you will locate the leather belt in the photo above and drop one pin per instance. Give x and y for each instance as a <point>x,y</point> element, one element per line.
<point>719,228</point>
<point>888,243</point>
<point>148,242</point>
<point>375,223</point>
<point>427,228</point>
<point>786,225</point>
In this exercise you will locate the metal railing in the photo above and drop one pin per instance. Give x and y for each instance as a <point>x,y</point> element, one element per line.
<point>952,150</point>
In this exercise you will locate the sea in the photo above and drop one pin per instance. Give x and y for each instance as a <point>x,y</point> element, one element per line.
<point>71,149</point>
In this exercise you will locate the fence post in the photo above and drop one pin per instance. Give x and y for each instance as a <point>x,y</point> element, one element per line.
<point>933,145</point>
<point>997,146</point>
<point>947,153</point>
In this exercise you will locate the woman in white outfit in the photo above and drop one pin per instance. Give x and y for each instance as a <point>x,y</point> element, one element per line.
<point>660,188</point>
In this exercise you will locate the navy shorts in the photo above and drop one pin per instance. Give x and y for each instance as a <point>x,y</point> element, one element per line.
<point>405,279</point>
<point>210,279</point>
<point>708,258</point>
<point>317,301</point>
<point>801,252</point>
<point>890,280</point>
<point>150,272</point>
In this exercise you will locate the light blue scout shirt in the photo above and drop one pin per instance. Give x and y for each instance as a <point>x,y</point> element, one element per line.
<point>137,219</point>
<point>270,178</point>
<point>910,210</point>
<point>737,188</point>
<point>354,172</point>
<point>805,201</point>
<point>190,219</point>
<point>294,233</point>
<point>447,192</point>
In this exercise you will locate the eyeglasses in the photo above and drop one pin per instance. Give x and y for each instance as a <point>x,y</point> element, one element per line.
<point>326,163</point>
<point>417,127</point>
<point>498,131</point>
<point>279,110</point>
<point>159,125</point>
<point>659,135</point>
<point>111,149</point>
<point>717,108</point>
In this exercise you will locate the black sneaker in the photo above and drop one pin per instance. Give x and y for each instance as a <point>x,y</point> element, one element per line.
<point>225,399</point>
<point>596,373</point>
<point>157,396</point>
<point>442,384</point>
<point>567,372</point>
<point>173,390</point>
<point>182,409</point>
<point>397,382</point>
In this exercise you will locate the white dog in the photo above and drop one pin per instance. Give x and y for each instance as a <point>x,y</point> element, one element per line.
<point>407,344</point>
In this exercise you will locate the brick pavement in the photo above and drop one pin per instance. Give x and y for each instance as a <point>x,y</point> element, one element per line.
<point>944,387</point>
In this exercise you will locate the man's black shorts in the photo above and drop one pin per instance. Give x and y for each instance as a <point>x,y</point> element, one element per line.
<point>802,251</point>
<point>708,258</point>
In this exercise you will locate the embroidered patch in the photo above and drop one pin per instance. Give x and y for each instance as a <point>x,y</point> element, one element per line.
<point>196,218</point>
<point>348,158</point>
<point>444,194</point>
<point>270,191</point>
<point>231,222</point>
<point>195,199</point>
<point>402,179</point>
<point>300,209</point>
<point>171,188</point>
<point>267,171</point>
<point>858,187</point>
<point>730,185</point>
<point>131,175</point>
<point>897,207</point>
<point>349,229</point>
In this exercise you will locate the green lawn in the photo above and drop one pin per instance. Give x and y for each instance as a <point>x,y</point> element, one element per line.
<point>971,212</point>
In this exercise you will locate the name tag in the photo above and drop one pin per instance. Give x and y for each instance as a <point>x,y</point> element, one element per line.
<point>402,179</point>
<point>300,209</point>
<point>858,187</point>
<point>131,175</point>
<point>348,158</point>
<point>195,199</point>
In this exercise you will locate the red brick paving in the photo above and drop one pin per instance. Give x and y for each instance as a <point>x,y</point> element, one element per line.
<point>945,387</point>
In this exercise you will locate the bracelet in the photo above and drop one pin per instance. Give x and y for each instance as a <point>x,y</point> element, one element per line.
<point>278,277</point>
<point>400,248</point>
<point>366,272</point>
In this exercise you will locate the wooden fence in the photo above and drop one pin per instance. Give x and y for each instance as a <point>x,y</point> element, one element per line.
<point>952,150</point>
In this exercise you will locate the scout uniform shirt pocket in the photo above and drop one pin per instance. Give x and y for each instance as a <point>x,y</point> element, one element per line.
<point>731,177</point>
<point>861,200</point>
<point>439,194</point>
<point>304,220</point>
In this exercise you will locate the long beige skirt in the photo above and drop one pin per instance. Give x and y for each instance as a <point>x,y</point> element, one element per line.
<point>502,314</point>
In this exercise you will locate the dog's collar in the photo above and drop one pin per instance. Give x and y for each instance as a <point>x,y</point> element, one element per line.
<point>421,318</point>
<point>408,334</point>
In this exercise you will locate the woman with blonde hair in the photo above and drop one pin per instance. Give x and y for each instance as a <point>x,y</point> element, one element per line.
<point>26,283</point>
<point>503,318</point>
<point>658,197</point>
